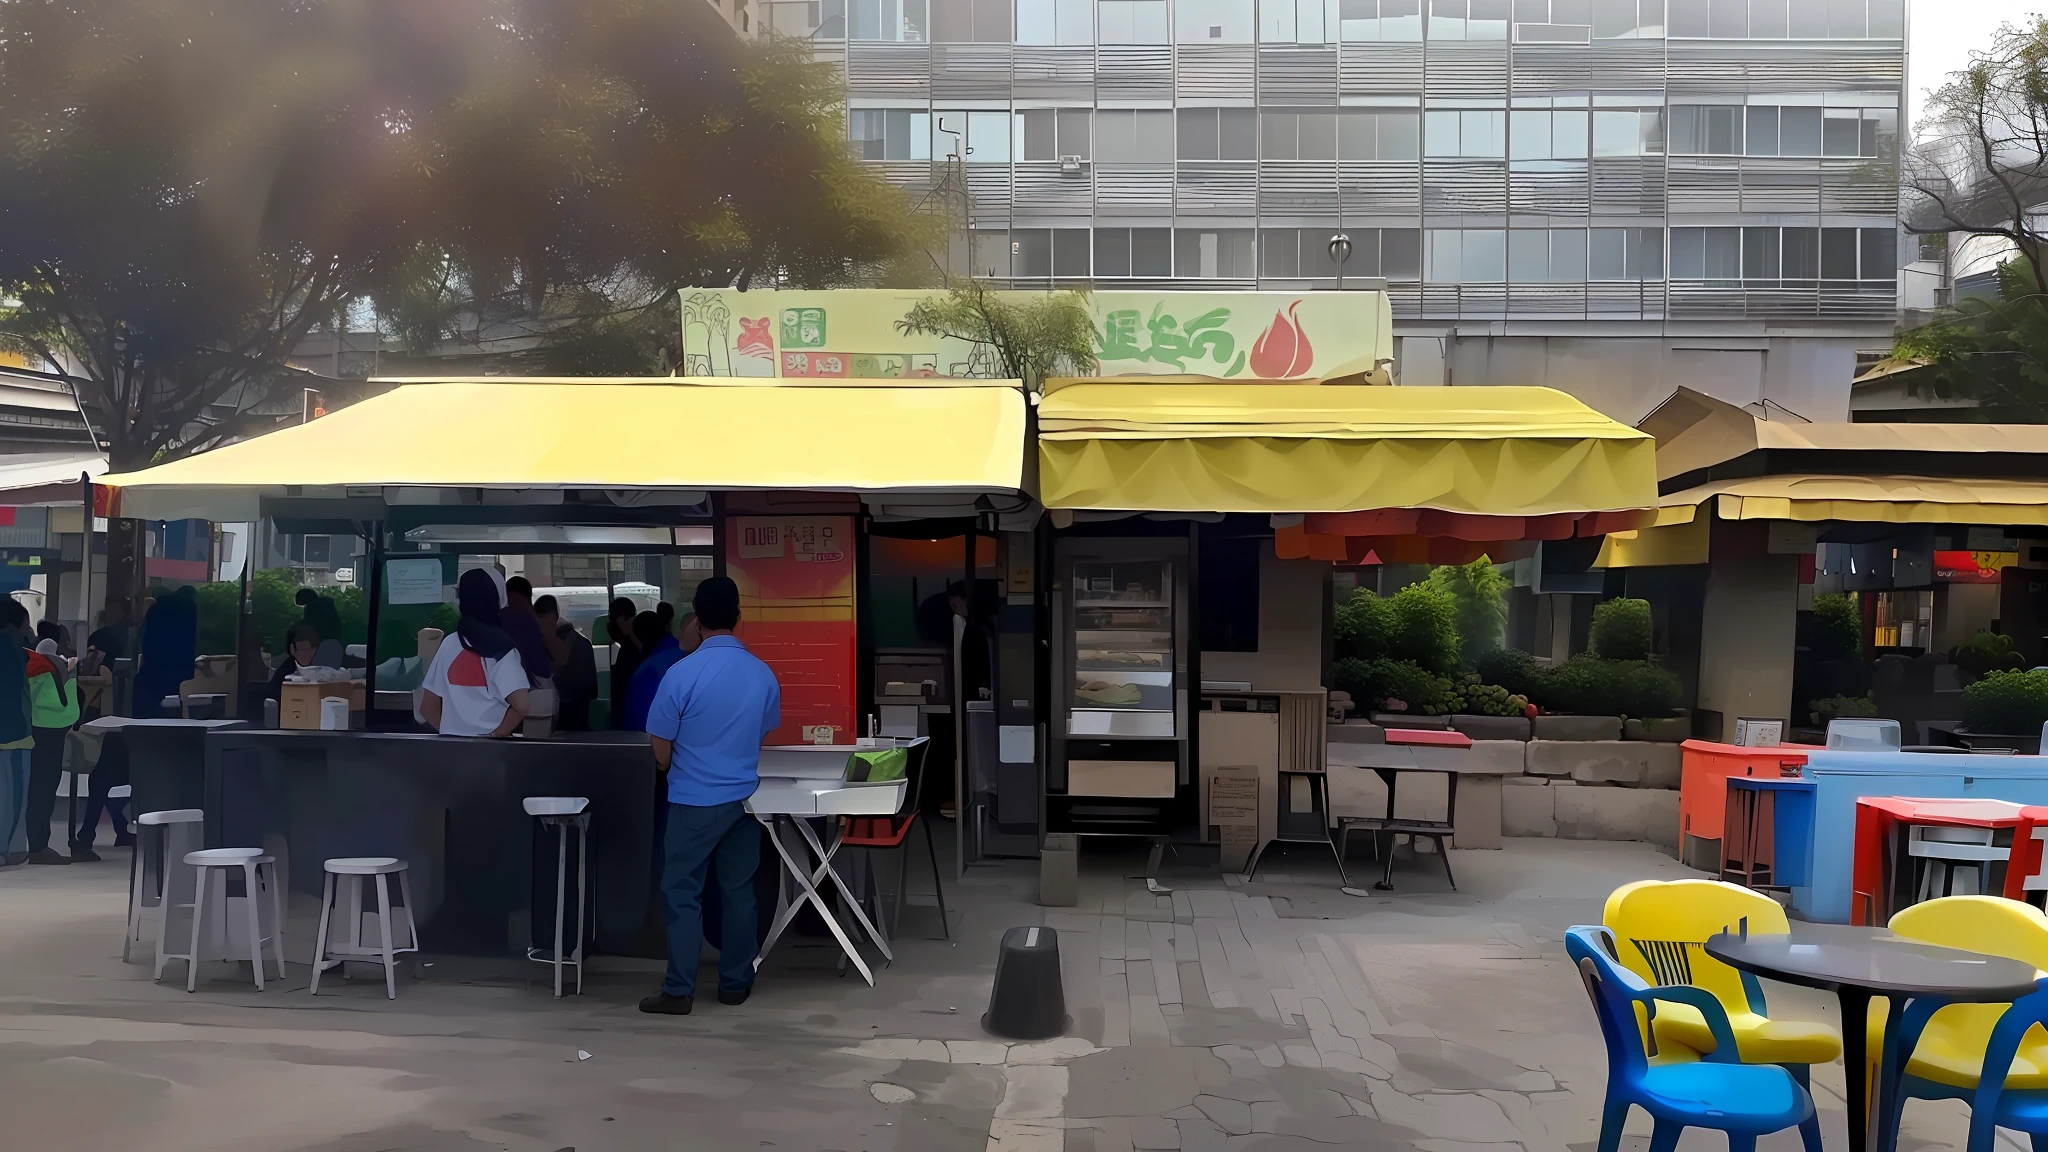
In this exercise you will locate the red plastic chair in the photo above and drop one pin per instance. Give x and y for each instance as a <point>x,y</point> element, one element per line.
<point>887,832</point>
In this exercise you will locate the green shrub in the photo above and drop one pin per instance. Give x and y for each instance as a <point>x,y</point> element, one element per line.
<point>1494,700</point>
<point>2007,703</point>
<point>1837,627</point>
<point>1835,707</point>
<point>1418,624</point>
<point>1481,595</point>
<point>1512,669</point>
<point>1372,683</point>
<point>1987,652</point>
<point>1592,686</point>
<point>1621,630</point>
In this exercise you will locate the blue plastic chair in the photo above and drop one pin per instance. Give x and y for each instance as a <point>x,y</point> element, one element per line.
<point>1992,1104</point>
<point>1716,1091</point>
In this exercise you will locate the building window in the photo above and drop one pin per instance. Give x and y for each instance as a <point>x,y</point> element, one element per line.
<point>1553,21</point>
<point>890,133</point>
<point>1303,254</point>
<point>1706,130</point>
<point>1218,134</point>
<point>1212,22</point>
<point>1807,130</point>
<point>1796,19</point>
<point>991,255</point>
<point>1298,136</point>
<point>1137,136</point>
<point>1547,135</point>
<point>1213,254</point>
<point>1385,137</point>
<point>1625,254</point>
<point>1133,252</point>
<point>1547,256</point>
<point>1297,21</point>
<point>1132,21</point>
<point>1628,132</point>
<point>1044,253</point>
<point>987,136</point>
<point>1706,254</point>
<point>1366,20</point>
<point>1628,19</point>
<point>1466,256</point>
<point>1468,19</point>
<point>971,21</point>
<point>886,19</point>
<point>1931,246</point>
<point>1470,134</point>
<point>1052,133</point>
<point>1055,22</point>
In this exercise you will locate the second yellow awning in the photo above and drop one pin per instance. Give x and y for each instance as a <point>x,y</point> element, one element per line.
<point>1191,446</point>
<point>1872,499</point>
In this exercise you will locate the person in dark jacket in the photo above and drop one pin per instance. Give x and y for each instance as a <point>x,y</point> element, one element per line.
<point>661,653</point>
<point>170,646</point>
<point>575,672</point>
<point>17,738</point>
<point>618,627</point>
<point>519,622</point>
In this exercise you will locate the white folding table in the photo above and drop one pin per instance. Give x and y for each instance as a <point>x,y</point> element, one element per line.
<point>804,781</point>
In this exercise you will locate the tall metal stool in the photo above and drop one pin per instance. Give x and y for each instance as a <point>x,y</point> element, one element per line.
<point>259,874</point>
<point>1291,826</point>
<point>157,875</point>
<point>361,870</point>
<point>564,813</point>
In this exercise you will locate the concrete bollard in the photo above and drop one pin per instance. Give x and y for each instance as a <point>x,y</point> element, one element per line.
<point>1028,1001</point>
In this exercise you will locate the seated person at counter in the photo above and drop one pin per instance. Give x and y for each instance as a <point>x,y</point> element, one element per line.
<point>301,644</point>
<point>710,715</point>
<point>658,653</point>
<point>476,685</point>
<point>575,666</point>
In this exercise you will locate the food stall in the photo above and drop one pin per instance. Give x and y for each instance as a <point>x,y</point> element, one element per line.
<point>1195,526</point>
<point>774,484</point>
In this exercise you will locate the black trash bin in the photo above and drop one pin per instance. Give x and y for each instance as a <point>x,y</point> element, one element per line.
<point>1028,1002</point>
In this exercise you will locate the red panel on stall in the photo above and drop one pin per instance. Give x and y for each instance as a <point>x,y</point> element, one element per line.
<point>796,582</point>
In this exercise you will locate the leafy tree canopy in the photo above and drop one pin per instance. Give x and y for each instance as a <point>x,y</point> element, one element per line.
<point>188,188</point>
<point>1034,336</point>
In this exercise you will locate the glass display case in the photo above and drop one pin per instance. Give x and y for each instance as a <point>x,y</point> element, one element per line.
<point>1123,646</point>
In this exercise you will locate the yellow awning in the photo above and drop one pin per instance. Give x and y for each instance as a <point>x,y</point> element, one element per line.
<point>1873,499</point>
<point>1677,542</point>
<point>1188,446</point>
<point>896,437</point>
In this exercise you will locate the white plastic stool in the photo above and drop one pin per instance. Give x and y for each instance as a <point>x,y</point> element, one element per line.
<point>565,812</point>
<point>259,873</point>
<point>362,869</point>
<point>120,792</point>
<point>161,839</point>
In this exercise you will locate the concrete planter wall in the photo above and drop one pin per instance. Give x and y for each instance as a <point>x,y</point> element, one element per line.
<point>1578,728</point>
<point>1492,727</point>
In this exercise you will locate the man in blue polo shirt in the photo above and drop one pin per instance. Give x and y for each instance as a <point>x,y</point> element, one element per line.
<point>708,720</point>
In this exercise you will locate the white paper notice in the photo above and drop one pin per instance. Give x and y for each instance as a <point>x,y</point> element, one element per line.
<point>416,580</point>
<point>1016,743</point>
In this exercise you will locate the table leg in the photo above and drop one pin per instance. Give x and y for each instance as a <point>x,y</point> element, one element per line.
<point>807,885</point>
<point>1855,1062</point>
<point>825,869</point>
<point>1392,779</point>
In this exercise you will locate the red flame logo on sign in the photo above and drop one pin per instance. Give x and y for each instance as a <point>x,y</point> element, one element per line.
<point>1283,350</point>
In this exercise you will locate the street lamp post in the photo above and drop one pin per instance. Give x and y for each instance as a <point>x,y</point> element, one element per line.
<point>1340,251</point>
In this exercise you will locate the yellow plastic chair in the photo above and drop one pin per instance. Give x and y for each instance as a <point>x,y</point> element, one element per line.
<point>1659,930</point>
<point>1950,1050</point>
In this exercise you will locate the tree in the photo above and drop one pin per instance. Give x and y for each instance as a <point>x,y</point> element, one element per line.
<point>1034,336</point>
<point>187,189</point>
<point>1981,168</point>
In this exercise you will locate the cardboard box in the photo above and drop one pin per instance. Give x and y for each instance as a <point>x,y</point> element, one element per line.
<point>298,705</point>
<point>1234,812</point>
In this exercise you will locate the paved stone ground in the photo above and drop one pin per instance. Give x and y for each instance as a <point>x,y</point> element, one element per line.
<point>1276,1016</point>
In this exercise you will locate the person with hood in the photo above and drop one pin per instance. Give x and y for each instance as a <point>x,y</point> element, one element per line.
<point>476,685</point>
<point>16,736</point>
<point>53,709</point>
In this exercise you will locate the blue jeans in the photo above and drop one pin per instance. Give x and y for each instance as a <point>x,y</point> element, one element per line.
<point>14,769</point>
<point>695,837</point>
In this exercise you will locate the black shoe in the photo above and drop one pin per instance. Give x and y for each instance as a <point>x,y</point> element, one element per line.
<point>666,1005</point>
<point>16,858</point>
<point>48,856</point>
<point>124,841</point>
<point>740,997</point>
<point>84,856</point>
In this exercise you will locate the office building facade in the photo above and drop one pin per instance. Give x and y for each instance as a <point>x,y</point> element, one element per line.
<point>1604,195</point>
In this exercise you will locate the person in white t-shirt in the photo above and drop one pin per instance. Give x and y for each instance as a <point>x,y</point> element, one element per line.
<point>476,685</point>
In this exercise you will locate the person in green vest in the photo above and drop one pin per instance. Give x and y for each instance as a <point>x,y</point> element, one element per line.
<point>53,709</point>
<point>16,737</point>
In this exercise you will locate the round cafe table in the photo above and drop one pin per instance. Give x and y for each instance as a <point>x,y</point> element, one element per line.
<point>1859,963</point>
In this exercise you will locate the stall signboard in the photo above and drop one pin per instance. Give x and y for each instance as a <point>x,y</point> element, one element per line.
<point>796,583</point>
<point>1972,567</point>
<point>852,333</point>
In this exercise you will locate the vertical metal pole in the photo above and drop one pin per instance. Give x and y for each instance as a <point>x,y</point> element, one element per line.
<point>375,596</point>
